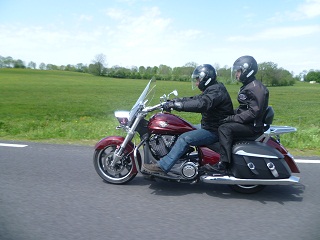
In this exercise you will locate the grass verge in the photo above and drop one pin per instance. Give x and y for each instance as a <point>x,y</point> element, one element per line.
<point>69,107</point>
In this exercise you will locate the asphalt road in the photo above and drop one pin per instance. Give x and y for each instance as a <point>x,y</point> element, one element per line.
<point>52,192</point>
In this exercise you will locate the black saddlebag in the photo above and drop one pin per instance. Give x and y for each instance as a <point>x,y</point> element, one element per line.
<point>252,160</point>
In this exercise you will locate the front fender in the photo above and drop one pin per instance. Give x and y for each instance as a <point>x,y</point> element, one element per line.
<point>111,140</point>
<point>118,140</point>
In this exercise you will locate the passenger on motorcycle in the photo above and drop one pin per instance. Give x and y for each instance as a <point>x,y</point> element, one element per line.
<point>247,119</point>
<point>214,104</point>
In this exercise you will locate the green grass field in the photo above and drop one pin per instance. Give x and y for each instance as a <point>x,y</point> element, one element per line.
<point>69,107</point>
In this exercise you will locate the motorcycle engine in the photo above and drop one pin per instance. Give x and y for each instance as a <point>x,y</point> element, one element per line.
<point>189,170</point>
<point>186,167</point>
<point>160,145</point>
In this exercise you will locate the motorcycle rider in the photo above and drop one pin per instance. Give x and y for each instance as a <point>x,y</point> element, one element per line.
<point>247,119</point>
<point>214,104</point>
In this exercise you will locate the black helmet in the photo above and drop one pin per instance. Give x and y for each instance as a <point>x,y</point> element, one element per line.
<point>248,66</point>
<point>205,74</point>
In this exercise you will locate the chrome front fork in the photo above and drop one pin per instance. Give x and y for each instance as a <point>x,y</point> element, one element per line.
<point>130,134</point>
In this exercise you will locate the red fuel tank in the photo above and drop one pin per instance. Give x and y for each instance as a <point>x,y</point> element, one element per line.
<point>167,123</point>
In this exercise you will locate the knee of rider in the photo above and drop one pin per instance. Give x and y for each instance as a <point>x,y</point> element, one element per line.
<point>224,128</point>
<point>186,140</point>
<point>183,142</point>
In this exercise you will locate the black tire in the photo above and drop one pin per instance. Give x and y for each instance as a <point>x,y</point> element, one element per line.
<point>121,173</point>
<point>247,189</point>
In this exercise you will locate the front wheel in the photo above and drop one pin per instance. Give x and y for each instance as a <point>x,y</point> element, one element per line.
<point>247,188</point>
<point>121,173</point>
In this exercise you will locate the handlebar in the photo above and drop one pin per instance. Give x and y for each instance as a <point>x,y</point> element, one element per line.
<point>152,108</point>
<point>164,98</point>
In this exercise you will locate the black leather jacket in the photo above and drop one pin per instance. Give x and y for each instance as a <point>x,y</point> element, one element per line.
<point>214,104</point>
<point>253,98</point>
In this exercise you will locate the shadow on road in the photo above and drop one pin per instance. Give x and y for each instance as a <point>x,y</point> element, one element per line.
<point>280,194</point>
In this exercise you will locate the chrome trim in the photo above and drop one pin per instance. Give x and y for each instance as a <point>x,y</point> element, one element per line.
<point>271,166</point>
<point>275,131</point>
<point>251,166</point>
<point>243,153</point>
<point>135,156</point>
<point>224,179</point>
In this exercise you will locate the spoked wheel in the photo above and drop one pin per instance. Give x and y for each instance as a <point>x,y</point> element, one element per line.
<point>247,188</point>
<point>121,173</point>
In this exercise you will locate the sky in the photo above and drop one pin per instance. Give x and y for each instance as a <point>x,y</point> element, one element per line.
<point>169,32</point>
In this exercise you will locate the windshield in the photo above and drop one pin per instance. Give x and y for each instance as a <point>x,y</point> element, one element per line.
<point>145,97</point>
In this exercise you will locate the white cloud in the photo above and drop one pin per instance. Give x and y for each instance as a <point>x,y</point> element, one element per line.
<point>310,9</point>
<point>145,36</point>
<point>85,18</point>
<point>279,33</point>
<point>126,38</point>
<point>117,14</point>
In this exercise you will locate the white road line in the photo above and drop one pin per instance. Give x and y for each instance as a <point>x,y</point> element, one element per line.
<point>12,145</point>
<point>306,161</point>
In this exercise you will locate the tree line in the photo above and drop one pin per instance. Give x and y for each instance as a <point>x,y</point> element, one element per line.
<point>269,73</point>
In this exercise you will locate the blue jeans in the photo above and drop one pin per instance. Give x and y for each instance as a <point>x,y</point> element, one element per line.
<point>197,137</point>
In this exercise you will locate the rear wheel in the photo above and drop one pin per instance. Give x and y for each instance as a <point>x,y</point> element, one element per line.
<point>121,173</point>
<point>247,188</point>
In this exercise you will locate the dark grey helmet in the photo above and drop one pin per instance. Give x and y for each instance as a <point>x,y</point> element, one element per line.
<point>206,74</point>
<point>248,66</point>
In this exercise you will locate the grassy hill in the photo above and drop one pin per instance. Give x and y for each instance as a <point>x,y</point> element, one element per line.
<point>70,107</point>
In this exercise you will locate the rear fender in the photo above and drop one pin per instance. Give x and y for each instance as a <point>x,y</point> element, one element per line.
<point>287,156</point>
<point>118,140</point>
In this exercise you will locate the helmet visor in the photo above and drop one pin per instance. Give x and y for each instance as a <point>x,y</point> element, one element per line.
<point>236,72</point>
<point>195,82</point>
<point>236,68</point>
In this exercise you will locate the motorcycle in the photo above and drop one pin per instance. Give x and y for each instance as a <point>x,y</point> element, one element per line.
<point>256,162</point>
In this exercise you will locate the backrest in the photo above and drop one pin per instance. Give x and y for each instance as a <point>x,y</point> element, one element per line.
<point>268,117</point>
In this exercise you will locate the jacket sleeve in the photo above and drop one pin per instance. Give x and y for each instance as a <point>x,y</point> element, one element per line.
<point>203,102</point>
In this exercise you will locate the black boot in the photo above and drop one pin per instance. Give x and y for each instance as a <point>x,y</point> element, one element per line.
<point>220,167</point>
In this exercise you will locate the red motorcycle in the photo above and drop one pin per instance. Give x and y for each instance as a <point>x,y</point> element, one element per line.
<point>256,163</point>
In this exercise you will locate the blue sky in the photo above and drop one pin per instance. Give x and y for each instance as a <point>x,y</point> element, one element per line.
<point>170,32</point>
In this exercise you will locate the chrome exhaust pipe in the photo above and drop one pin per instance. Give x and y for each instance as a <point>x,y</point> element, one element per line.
<point>225,179</point>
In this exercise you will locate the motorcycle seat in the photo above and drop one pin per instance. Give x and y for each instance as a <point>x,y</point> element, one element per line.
<point>267,120</point>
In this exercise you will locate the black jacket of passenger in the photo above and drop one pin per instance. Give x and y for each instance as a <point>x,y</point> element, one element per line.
<point>253,99</point>
<point>214,104</point>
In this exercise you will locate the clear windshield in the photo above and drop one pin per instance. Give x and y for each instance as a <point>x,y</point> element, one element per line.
<point>145,97</point>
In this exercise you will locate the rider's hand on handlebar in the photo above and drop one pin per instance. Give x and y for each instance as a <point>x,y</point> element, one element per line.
<point>169,105</point>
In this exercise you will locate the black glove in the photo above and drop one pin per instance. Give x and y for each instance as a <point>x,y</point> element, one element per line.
<point>226,120</point>
<point>167,106</point>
